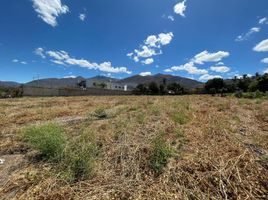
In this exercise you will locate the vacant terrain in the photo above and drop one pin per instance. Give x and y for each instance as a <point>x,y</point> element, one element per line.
<point>185,147</point>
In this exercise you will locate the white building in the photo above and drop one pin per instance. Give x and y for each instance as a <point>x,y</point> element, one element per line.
<point>96,83</point>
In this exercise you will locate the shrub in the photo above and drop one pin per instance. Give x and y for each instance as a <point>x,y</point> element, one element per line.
<point>100,113</point>
<point>79,158</point>
<point>48,139</point>
<point>238,94</point>
<point>160,154</point>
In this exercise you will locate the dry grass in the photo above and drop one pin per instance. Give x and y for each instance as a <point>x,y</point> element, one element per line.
<point>219,147</point>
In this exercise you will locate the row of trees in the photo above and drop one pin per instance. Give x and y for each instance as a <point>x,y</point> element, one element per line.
<point>10,92</point>
<point>159,89</point>
<point>213,86</point>
<point>244,84</point>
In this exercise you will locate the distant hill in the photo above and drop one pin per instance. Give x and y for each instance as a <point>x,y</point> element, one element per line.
<point>104,79</point>
<point>158,78</point>
<point>56,82</point>
<point>132,81</point>
<point>9,84</point>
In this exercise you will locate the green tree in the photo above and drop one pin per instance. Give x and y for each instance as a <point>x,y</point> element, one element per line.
<point>215,85</point>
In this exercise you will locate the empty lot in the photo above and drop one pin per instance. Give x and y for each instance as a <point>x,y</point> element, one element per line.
<point>219,147</point>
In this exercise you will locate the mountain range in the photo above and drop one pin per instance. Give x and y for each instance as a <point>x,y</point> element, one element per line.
<point>132,81</point>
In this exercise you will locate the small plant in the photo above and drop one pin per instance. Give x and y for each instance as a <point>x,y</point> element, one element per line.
<point>48,139</point>
<point>100,113</point>
<point>79,158</point>
<point>179,117</point>
<point>160,154</point>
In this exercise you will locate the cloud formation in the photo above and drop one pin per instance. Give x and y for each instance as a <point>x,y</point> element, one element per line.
<point>262,46</point>
<point>148,61</point>
<point>82,17</point>
<point>207,77</point>
<point>189,67</point>
<point>145,73</point>
<point>63,58</point>
<point>151,47</point>
<point>180,8</point>
<point>205,56</point>
<point>220,69</point>
<point>18,61</point>
<point>201,59</point>
<point>247,35</point>
<point>49,10</point>
<point>265,60</point>
<point>263,20</point>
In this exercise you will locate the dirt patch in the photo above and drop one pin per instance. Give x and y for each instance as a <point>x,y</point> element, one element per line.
<point>10,164</point>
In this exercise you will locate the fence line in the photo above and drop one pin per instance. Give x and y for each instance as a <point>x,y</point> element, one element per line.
<point>47,92</point>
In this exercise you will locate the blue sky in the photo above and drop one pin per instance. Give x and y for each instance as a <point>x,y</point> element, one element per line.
<point>120,38</point>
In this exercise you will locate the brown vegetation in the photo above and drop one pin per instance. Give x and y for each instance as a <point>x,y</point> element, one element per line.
<point>187,147</point>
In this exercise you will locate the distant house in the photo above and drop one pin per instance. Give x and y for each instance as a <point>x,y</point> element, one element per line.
<point>109,85</point>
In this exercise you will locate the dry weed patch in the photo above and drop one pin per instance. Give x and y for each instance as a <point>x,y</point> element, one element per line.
<point>134,147</point>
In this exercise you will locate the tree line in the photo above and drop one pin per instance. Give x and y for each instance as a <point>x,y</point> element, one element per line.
<point>214,86</point>
<point>243,84</point>
<point>163,88</point>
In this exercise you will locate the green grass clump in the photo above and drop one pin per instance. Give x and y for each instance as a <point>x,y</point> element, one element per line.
<point>48,139</point>
<point>73,158</point>
<point>160,154</point>
<point>79,158</point>
<point>179,117</point>
<point>100,113</point>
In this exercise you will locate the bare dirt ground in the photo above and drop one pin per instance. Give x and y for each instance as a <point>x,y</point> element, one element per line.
<point>221,143</point>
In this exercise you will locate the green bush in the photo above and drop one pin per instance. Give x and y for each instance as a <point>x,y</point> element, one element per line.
<point>48,139</point>
<point>79,158</point>
<point>160,154</point>
<point>100,113</point>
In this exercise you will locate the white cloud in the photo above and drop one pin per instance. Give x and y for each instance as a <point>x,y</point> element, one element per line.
<point>58,62</point>
<point>165,38</point>
<point>201,59</point>
<point>151,40</point>
<point>265,71</point>
<point>151,46</point>
<point>190,68</point>
<point>18,61</point>
<point>220,69</point>
<point>207,77</point>
<point>246,36</point>
<point>168,70</point>
<point>130,54</point>
<point>263,20</point>
<point>63,58</point>
<point>148,61</point>
<point>82,17</point>
<point>71,76</point>
<point>171,18</point>
<point>40,52</point>
<point>262,46</point>
<point>265,60</point>
<point>145,73</point>
<point>145,52</point>
<point>205,56</point>
<point>49,10</point>
<point>180,8</point>
<point>220,63</point>
<point>158,40</point>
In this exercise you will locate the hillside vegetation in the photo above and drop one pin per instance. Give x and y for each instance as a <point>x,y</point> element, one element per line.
<point>134,147</point>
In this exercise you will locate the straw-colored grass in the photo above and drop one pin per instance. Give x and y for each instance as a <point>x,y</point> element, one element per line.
<point>181,147</point>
